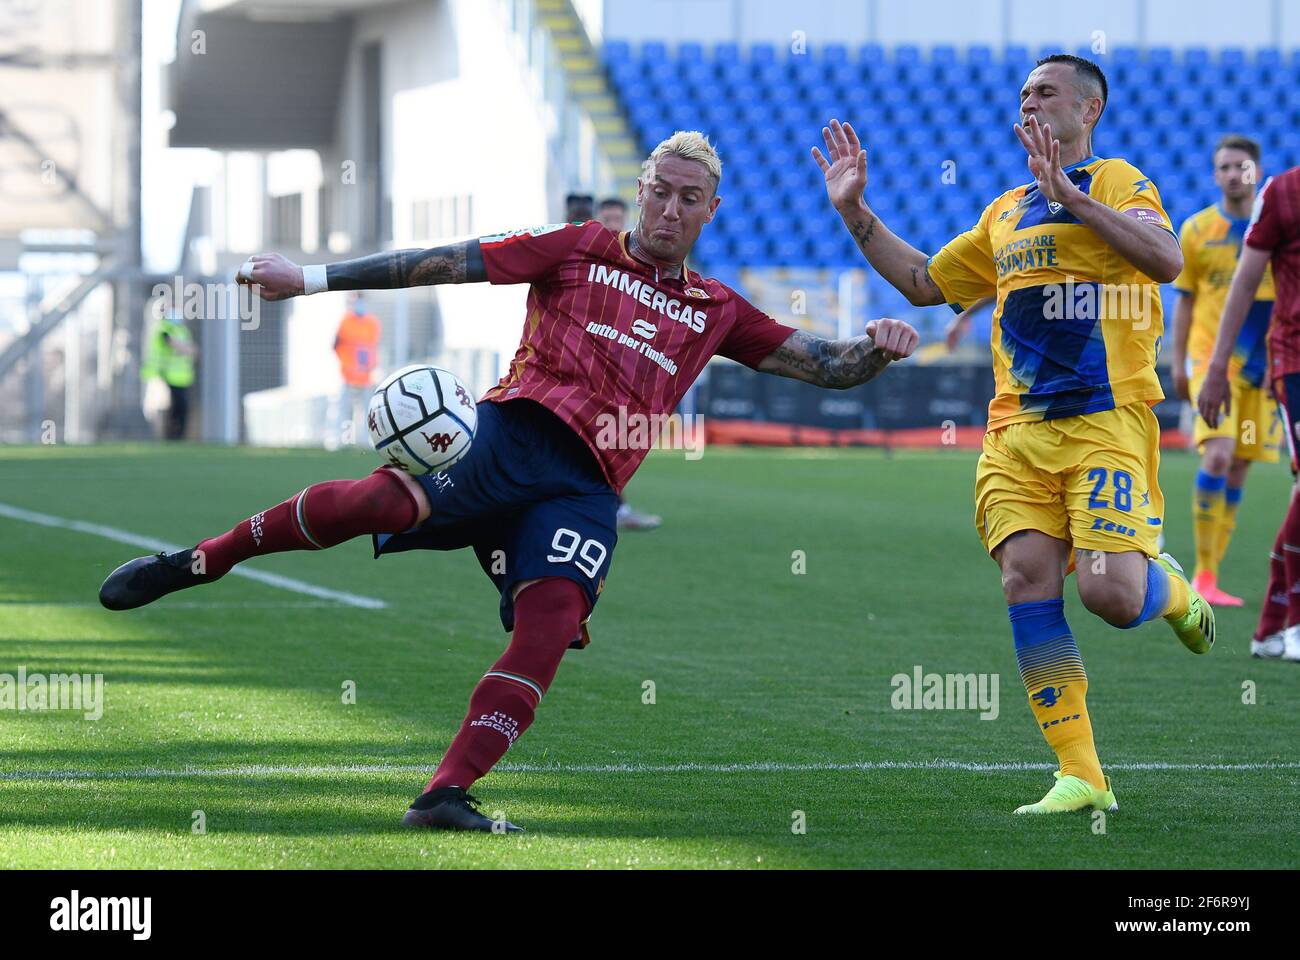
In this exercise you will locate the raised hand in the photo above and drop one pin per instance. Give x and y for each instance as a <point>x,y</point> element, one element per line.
<point>1045,162</point>
<point>275,277</point>
<point>846,171</point>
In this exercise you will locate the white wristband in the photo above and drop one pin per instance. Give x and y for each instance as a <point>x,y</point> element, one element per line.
<point>314,279</point>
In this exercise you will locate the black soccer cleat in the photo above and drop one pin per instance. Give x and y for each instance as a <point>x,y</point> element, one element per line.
<point>451,808</point>
<point>145,579</point>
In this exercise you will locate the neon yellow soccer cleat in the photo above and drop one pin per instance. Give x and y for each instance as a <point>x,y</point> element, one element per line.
<point>1196,627</point>
<point>1073,793</point>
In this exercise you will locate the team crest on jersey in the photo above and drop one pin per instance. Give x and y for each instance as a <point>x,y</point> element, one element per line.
<point>526,232</point>
<point>1053,207</point>
<point>697,293</point>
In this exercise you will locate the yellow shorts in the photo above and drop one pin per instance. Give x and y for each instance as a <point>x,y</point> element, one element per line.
<point>1090,480</point>
<point>1253,421</point>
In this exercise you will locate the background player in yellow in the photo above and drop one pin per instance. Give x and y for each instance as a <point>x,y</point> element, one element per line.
<point>1211,242</point>
<point>1070,459</point>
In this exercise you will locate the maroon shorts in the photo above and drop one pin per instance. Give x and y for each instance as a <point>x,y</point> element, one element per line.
<point>1286,389</point>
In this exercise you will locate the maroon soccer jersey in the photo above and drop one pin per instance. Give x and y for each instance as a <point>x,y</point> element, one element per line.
<point>606,331</point>
<point>1275,227</point>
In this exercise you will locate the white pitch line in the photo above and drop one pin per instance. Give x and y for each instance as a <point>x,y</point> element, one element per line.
<point>265,770</point>
<point>153,546</point>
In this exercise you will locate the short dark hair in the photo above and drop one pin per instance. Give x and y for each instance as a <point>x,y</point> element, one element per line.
<point>614,202</point>
<point>1238,141</point>
<point>578,206</point>
<point>1088,71</point>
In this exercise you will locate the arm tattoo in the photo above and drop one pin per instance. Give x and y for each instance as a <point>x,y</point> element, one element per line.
<point>863,232</point>
<point>924,274</point>
<point>455,263</point>
<point>838,364</point>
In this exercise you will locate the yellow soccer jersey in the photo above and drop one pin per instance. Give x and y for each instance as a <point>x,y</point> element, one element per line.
<point>1077,328</point>
<point>1211,242</point>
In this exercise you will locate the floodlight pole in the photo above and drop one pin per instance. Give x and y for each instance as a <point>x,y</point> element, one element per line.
<point>125,417</point>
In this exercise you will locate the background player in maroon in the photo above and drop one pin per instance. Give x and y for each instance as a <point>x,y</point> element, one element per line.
<point>1273,235</point>
<point>617,327</point>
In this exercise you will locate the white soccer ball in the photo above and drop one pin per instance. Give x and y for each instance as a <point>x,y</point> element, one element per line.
<point>422,419</point>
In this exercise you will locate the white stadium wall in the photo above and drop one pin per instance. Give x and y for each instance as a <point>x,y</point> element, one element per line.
<point>447,66</point>
<point>1174,23</point>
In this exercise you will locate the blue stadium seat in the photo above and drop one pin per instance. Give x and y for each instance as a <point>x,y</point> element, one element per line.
<point>880,75</point>
<point>943,57</point>
<point>725,53</point>
<point>710,248</point>
<point>1251,75</point>
<point>1275,121</point>
<point>835,53</point>
<point>1232,57</point>
<point>830,250</point>
<point>773,74</point>
<point>1016,57</point>
<point>918,109</point>
<point>699,75</point>
<point>807,71</point>
<point>870,54</point>
<point>789,249</point>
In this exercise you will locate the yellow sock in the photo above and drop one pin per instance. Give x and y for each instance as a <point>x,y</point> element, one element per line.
<point>1180,596</point>
<point>1227,522</point>
<point>1207,520</point>
<point>1057,685</point>
<point>1068,731</point>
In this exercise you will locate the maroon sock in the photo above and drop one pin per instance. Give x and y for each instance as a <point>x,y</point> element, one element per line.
<point>548,616</point>
<point>1272,615</point>
<point>323,515</point>
<point>1291,560</point>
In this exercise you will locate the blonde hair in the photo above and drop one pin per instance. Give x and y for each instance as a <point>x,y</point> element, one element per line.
<point>688,145</point>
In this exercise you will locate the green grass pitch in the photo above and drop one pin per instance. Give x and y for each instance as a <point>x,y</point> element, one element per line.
<point>771,688</point>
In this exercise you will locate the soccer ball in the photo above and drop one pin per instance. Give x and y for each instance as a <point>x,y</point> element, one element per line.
<point>422,419</point>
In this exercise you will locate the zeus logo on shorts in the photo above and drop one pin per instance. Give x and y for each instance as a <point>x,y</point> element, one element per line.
<point>1110,526</point>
